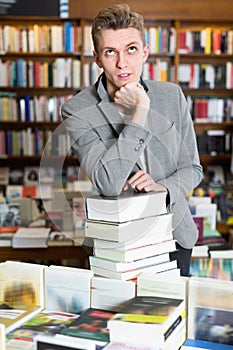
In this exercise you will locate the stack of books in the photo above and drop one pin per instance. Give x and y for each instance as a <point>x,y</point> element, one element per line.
<point>131,234</point>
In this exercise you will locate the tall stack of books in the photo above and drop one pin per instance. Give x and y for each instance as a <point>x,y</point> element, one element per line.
<point>131,234</point>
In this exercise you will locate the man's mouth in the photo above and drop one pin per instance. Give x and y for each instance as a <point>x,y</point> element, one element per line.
<point>124,75</point>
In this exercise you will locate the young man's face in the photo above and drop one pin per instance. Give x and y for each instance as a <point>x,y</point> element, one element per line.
<point>121,54</point>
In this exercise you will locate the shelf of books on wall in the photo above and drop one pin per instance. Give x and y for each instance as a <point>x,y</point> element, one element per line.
<point>40,69</point>
<point>205,54</point>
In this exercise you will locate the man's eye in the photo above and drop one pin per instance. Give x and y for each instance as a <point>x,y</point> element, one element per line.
<point>132,49</point>
<point>110,53</point>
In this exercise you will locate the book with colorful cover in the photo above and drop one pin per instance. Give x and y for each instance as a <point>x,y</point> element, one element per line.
<point>21,292</point>
<point>92,324</point>
<point>46,322</point>
<point>148,318</point>
<point>210,310</point>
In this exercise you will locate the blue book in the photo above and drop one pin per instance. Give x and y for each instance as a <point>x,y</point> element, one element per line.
<point>202,344</point>
<point>68,36</point>
<point>20,73</point>
<point>27,108</point>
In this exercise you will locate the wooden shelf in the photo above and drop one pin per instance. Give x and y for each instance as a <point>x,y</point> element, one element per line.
<point>207,159</point>
<point>19,125</point>
<point>201,127</point>
<point>21,161</point>
<point>50,253</point>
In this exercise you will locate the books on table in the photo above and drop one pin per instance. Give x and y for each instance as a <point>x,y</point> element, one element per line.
<point>31,237</point>
<point>67,292</point>
<point>210,310</point>
<point>130,230</point>
<point>148,320</point>
<point>125,207</point>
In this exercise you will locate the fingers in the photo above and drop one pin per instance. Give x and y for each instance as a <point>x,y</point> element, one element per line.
<point>141,181</point>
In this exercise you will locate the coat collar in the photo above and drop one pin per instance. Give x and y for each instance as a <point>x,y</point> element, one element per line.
<point>158,122</point>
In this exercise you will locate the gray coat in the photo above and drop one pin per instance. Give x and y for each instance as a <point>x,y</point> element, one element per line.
<point>109,148</point>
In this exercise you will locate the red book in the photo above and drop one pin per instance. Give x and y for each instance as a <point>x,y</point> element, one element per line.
<point>29,191</point>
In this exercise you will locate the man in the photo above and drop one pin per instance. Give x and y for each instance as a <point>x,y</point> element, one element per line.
<point>131,134</point>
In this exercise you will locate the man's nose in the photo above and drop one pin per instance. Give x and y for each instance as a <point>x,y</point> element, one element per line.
<point>122,60</point>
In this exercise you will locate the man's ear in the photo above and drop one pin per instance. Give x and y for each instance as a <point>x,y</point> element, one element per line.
<point>145,52</point>
<point>97,59</point>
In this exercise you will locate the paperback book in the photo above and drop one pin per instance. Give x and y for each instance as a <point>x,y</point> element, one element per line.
<point>130,230</point>
<point>126,207</point>
<point>146,319</point>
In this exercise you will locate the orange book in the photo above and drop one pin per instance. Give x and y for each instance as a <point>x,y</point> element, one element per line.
<point>29,191</point>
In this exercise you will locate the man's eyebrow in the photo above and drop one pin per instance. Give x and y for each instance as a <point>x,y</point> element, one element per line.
<point>127,45</point>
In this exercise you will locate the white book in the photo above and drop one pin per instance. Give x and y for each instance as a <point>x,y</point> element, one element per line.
<point>109,294</point>
<point>200,251</point>
<point>136,253</point>
<point>132,274</point>
<point>129,231</point>
<point>67,289</point>
<point>162,285</point>
<point>126,266</point>
<point>76,76</point>
<point>125,207</point>
<point>221,254</point>
<point>135,243</point>
<point>31,237</point>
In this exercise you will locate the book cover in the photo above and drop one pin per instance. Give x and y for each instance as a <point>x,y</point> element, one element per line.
<point>129,231</point>
<point>126,207</point>
<point>110,294</point>
<point>91,324</point>
<point>46,322</point>
<point>62,294</point>
<point>210,314</point>
<point>10,217</point>
<point>21,292</point>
